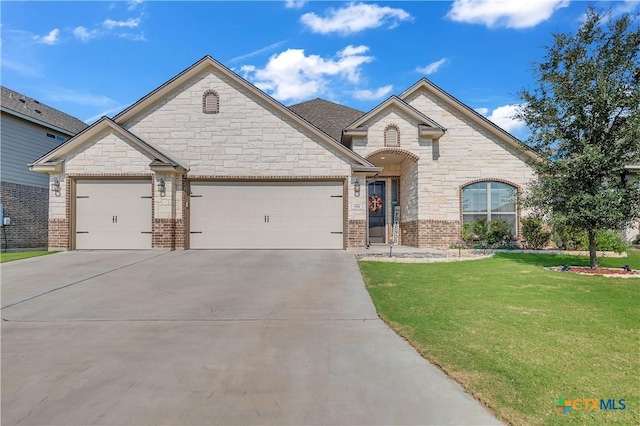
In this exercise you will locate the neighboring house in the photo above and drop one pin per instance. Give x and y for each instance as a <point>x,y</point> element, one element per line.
<point>209,161</point>
<point>29,129</point>
<point>632,231</point>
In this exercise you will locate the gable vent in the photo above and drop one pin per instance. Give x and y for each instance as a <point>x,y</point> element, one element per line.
<point>210,102</point>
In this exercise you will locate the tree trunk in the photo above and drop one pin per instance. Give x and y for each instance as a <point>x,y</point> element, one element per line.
<point>593,261</point>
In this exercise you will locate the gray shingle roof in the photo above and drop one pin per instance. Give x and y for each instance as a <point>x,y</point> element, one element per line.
<point>329,117</point>
<point>21,104</point>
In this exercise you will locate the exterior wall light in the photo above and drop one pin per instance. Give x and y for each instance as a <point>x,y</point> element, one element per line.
<point>356,188</point>
<point>162,186</point>
<point>55,187</point>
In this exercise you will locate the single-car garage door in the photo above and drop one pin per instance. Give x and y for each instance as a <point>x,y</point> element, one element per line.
<point>266,215</point>
<point>113,214</point>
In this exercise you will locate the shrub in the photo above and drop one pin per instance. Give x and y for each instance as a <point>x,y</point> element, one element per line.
<point>636,240</point>
<point>480,228</point>
<point>566,237</point>
<point>606,241</point>
<point>467,234</point>
<point>534,232</point>
<point>499,232</point>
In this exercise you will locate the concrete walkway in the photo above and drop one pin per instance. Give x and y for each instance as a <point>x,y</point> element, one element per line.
<point>210,337</point>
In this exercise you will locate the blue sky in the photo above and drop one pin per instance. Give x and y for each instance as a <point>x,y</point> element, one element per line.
<point>91,59</point>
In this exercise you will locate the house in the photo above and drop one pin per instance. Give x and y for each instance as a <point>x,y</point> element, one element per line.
<point>209,161</point>
<point>29,129</point>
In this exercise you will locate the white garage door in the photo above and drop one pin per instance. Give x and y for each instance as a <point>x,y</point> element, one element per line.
<point>113,214</point>
<point>266,215</point>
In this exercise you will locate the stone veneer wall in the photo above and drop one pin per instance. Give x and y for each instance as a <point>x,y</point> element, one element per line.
<point>27,207</point>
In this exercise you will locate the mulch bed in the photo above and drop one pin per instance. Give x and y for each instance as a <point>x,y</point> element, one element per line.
<point>607,272</point>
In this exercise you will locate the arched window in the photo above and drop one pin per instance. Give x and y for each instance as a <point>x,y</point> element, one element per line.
<point>392,136</point>
<point>210,102</point>
<point>491,200</point>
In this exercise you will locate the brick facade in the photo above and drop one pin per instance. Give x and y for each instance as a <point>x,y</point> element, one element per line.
<point>438,233</point>
<point>27,207</point>
<point>357,233</point>
<point>168,234</point>
<point>59,234</point>
<point>430,233</point>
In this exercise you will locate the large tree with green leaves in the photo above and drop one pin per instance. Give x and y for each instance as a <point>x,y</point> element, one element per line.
<point>584,117</point>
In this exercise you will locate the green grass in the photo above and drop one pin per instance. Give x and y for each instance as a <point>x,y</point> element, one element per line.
<point>18,255</point>
<point>517,336</point>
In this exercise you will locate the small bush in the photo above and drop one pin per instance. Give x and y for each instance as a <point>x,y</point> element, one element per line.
<point>606,241</point>
<point>467,234</point>
<point>566,237</point>
<point>499,232</point>
<point>636,240</point>
<point>480,228</point>
<point>534,232</point>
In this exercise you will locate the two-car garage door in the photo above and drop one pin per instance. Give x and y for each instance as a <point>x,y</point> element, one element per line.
<point>266,215</point>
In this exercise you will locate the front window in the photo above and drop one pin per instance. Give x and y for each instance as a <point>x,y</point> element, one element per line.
<point>491,200</point>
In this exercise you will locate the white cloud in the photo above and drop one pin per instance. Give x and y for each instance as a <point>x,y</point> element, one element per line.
<point>372,95</point>
<point>257,52</point>
<point>76,97</point>
<point>133,36</point>
<point>354,18</point>
<point>133,4</point>
<point>52,38</point>
<point>108,112</point>
<point>504,13</point>
<point>84,35</point>
<point>129,23</point>
<point>294,4</point>
<point>503,116</point>
<point>432,67</point>
<point>292,75</point>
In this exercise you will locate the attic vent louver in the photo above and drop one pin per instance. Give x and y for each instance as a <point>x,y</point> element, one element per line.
<point>210,102</point>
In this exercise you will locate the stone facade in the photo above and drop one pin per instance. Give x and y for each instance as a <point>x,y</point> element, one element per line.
<point>26,207</point>
<point>252,138</point>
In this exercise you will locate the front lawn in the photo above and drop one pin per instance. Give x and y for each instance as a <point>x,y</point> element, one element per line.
<point>517,336</point>
<point>18,255</point>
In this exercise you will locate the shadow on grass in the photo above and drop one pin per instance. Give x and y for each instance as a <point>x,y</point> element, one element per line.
<point>544,259</point>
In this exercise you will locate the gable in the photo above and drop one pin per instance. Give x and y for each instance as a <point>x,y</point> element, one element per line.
<point>460,119</point>
<point>248,136</point>
<point>178,102</point>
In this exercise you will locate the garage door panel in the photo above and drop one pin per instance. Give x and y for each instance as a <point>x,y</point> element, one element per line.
<point>263,215</point>
<point>112,214</point>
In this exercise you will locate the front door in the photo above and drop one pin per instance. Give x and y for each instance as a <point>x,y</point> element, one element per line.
<point>377,214</point>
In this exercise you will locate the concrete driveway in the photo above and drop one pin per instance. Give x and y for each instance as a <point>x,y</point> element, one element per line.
<point>209,337</point>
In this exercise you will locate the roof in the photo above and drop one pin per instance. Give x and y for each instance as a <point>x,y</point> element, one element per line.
<point>394,101</point>
<point>328,116</point>
<point>33,110</point>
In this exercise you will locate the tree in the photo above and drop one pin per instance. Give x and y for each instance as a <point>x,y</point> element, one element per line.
<point>584,117</point>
